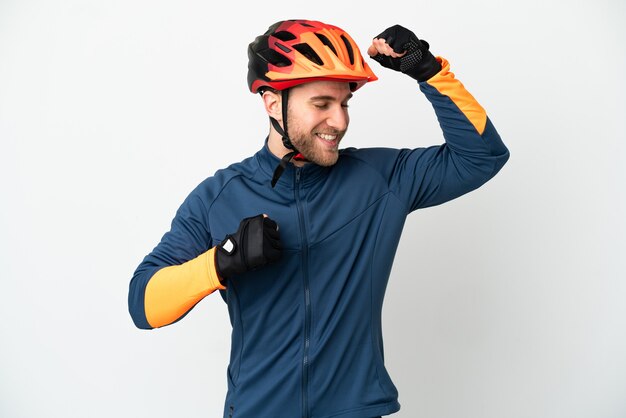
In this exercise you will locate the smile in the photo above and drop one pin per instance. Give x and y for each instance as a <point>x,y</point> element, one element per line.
<point>327,137</point>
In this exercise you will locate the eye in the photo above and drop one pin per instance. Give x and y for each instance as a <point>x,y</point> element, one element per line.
<point>320,105</point>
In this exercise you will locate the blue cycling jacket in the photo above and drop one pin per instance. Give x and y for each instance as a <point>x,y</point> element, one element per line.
<point>306,331</point>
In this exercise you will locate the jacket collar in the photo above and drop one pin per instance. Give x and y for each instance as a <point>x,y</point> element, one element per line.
<point>268,162</point>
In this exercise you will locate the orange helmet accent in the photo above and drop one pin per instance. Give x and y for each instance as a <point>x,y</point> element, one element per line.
<point>293,52</point>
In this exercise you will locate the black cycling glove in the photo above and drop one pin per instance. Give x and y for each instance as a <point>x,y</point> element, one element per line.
<point>418,62</point>
<point>255,244</point>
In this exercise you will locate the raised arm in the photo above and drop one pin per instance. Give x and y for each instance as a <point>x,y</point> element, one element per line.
<point>473,152</point>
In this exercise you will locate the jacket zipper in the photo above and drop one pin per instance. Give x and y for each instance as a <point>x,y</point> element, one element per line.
<point>307,301</point>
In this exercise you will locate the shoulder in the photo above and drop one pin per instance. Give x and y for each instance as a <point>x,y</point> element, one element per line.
<point>370,154</point>
<point>377,159</point>
<point>211,187</point>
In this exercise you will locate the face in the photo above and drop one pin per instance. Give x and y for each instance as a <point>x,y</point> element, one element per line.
<point>318,119</point>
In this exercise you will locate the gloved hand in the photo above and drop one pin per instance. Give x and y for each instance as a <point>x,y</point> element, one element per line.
<point>399,49</point>
<point>255,244</point>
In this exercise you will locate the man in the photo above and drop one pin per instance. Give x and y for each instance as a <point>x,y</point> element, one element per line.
<point>300,237</point>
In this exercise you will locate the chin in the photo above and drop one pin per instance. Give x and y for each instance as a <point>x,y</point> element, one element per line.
<point>327,162</point>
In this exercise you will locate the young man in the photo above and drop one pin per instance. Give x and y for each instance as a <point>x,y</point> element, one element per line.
<point>300,237</point>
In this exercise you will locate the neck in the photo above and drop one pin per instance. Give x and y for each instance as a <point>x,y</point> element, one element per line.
<point>275,144</point>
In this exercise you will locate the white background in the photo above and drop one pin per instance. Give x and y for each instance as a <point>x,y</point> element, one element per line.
<point>507,302</point>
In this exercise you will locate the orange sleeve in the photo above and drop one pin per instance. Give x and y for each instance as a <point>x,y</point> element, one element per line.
<point>445,83</point>
<point>174,290</point>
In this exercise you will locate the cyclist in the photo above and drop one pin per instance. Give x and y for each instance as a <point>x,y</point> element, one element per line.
<point>299,238</point>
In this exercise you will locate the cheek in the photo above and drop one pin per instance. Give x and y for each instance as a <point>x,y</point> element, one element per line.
<point>304,120</point>
<point>309,123</point>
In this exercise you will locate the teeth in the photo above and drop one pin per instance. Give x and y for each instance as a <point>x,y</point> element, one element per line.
<point>327,137</point>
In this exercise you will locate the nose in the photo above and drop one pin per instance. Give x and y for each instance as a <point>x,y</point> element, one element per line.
<point>338,118</point>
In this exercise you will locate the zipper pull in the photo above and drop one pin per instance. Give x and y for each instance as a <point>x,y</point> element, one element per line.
<point>298,175</point>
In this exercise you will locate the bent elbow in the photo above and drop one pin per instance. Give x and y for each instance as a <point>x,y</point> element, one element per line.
<point>501,160</point>
<point>136,306</point>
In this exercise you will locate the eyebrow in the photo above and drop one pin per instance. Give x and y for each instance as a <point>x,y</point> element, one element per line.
<point>330,98</point>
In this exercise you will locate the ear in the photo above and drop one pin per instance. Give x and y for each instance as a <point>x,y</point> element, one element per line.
<point>272,102</point>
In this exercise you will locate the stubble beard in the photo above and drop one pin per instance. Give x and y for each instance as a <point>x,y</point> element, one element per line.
<point>308,144</point>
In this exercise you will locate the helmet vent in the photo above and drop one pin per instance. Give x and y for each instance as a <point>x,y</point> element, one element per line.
<point>308,52</point>
<point>283,47</point>
<point>326,42</point>
<point>349,48</point>
<point>284,36</point>
<point>274,58</point>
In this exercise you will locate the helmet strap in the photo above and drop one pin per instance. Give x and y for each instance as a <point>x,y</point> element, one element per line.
<point>286,141</point>
<point>280,168</point>
<point>283,131</point>
<point>295,154</point>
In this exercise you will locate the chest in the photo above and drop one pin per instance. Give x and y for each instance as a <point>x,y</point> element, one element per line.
<point>308,213</point>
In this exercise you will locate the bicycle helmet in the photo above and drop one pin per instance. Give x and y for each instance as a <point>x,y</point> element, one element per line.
<point>293,52</point>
